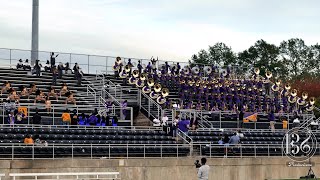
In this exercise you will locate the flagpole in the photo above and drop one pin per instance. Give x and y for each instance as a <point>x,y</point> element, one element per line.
<point>35,31</point>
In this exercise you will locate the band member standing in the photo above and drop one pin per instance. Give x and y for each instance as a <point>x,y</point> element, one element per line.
<point>53,59</point>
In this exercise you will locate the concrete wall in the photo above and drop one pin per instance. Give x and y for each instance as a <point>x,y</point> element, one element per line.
<point>167,169</point>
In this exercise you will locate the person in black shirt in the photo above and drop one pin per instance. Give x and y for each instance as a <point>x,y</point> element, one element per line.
<point>60,68</point>
<point>37,68</point>
<point>54,75</point>
<point>53,59</point>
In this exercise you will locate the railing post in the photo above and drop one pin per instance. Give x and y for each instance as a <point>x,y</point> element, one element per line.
<point>28,114</point>
<point>3,114</point>
<point>148,107</point>
<point>53,119</point>
<point>106,65</point>
<point>220,119</point>
<point>88,64</point>
<point>10,59</point>
<point>131,114</point>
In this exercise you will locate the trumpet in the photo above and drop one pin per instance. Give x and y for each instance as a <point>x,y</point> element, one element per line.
<point>132,80</point>
<point>135,73</point>
<point>150,82</point>
<point>161,100</point>
<point>165,92</point>
<point>154,95</point>
<point>146,89</point>
<point>157,88</point>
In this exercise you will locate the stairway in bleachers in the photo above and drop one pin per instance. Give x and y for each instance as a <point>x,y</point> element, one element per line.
<point>85,104</point>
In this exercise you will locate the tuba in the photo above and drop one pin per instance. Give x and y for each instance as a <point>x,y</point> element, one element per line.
<point>275,87</point>
<point>127,68</point>
<point>118,60</point>
<point>143,76</point>
<point>139,83</point>
<point>294,92</point>
<point>165,92</point>
<point>208,69</point>
<point>135,73</point>
<point>150,82</point>
<point>116,67</point>
<point>146,89</point>
<point>268,74</point>
<point>132,80</point>
<point>186,70</point>
<point>123,75</point>
<point>304,95</point>
<point>157,88</point>
<point>292,99</point>
<point>300,101</point>
<point>161,100</point>
<point>312,100</point>
<point>154,95</point>
<point>224,72</point>
<point>195,70</point>
<point>310,108</point>
<point>256,71</point>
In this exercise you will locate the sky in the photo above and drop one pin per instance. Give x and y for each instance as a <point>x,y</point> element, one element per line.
<point>169,29</point>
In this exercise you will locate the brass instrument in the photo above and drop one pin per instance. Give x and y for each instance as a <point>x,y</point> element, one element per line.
<point>154,95</point>
<point>310,108</point>
<point>268,74</point>
<point>287,87</point>
<point>143,76</point>
<point>300,101</point>
<point>224,72</point>
<point>195,70</point>
<point>127,68</point>
<point>173,66</point>
<point>135,73</point>
<point>292,99</point>
<point>304,95</point>
<point>165,92</point>
<point>312,100</point>
<point>294,92</point>
<point>275,87</point>
<point>256,71</point>
<point>150,82</point>
<point>139,83</point>
<point>132,80</point>
<point>191,82</point>
<point>146,89</point>
<point>278,82</point>
<point>123,75</point>
<point>182,81</point>
<point>157,88</point>
<point>162,66</point>
<point>186,70</point>
<point>116,67</point>
<point>161,100</point>
<point>208,69</point>
<point>118,60</point>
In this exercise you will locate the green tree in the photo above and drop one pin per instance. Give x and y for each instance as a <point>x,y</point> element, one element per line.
<point>222,55</point>
<point>296,56</point>
<point>265,56</point>
<point>201,58</point>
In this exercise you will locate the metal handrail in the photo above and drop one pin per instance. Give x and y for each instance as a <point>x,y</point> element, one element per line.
<point>150,101</point>
<point>76,175</point>
<point>92,92</point>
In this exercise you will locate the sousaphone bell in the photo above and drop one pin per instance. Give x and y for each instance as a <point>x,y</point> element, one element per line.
<point>165,92</point>
<point>146,89</point>
<point>123,75</point>
<point>154,95</point>
<point>143,76</point>
<point>135,73</point>
<point>139,83</point>
<point>150,82</point>
<point>195,70</point>
<point>208,69</point>
<point>161,100</point>
<point>157,88</point>
<point>268,74</point>
<point>132,80</point>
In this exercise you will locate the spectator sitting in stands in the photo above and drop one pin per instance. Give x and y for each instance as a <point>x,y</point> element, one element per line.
<point>6,87</point>
<point>26,65</point>
<point>93,119</point>
<point>314,125</point>
<point>39,96</point>
<point>70,98</point>
<point>235,139</point>
<point>74,118</point>
<point>82,119</point>
<point>52,92</point>
<point>24,91</point>
<point>76,70</point>
<point>240,134</point>
<point>36,118</point>
<point>20,64</point>
<point>20,117</point>
<point>11,118</point>
<point>296,122</point>
<point>64,89</point>
<point>47,67</point>
<point>33,89</point>
<point>164,121</point>
<point>28,139</point>
<point>79,77</point>
<point>66,118</point>
<point>13,96</point>
<point>194,124</point>
<point>39,142</point>
<point>48,104</point>
<point>156,122</point>
<point>10,106</point>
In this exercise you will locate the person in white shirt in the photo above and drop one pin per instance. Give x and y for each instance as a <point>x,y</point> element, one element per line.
<point>203,172</point>
<point>156,122</point>
<point>164,121</point>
